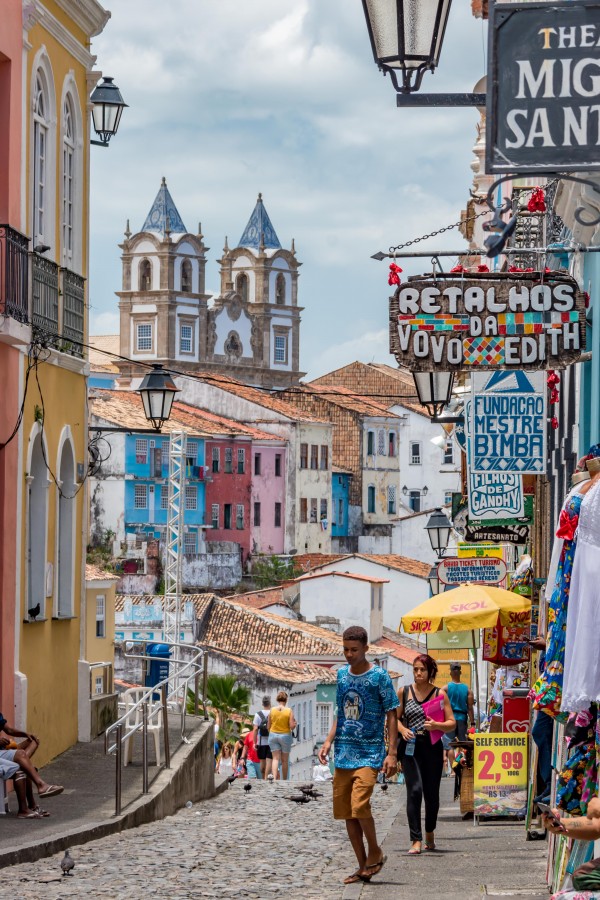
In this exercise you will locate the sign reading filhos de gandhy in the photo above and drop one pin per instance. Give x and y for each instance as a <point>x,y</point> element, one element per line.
<point>543,98</point>
<point>493,321</point>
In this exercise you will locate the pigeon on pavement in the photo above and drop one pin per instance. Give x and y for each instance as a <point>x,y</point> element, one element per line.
<point>67,863</point>
<point>247,787</point>
<point>299,798</point>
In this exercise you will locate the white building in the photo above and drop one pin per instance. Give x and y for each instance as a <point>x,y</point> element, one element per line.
<point>327,597</point>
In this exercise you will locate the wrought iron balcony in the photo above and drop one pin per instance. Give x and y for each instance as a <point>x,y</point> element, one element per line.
<point>44,310</point>
<point>73,289</point>
<point>14,274</point>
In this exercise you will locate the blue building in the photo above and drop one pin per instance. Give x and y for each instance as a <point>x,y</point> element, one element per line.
<point>147,489</point>
<point>340,503</point>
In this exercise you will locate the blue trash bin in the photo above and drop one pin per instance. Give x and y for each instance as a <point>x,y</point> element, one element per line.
<point>158,668</point>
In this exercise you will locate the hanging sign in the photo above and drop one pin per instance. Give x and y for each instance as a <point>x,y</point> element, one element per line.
<point>494,321</point>
<point>480,551</point>
<point>509,422</point>
<point>497,495</point>
<point>500,774</point>
<point>454,570</point>
<point>508,534</point>
<point>543,87</point>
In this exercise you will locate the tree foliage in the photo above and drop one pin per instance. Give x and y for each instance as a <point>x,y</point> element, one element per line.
<point>269,571</point>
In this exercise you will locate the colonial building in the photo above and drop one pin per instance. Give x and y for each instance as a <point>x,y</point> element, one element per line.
<point>46,76</point>
<point>251,331</point>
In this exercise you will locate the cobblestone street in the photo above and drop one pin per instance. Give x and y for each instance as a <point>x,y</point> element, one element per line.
<point>259,845</point>
<point>253,845</point>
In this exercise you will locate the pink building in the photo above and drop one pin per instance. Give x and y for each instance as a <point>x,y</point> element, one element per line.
<point>13,301</point>
<point>267,532</point>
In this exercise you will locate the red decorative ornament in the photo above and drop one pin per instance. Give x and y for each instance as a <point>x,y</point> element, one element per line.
<point>394,277</point>
<point>553,379</point>
<point>537,201</point>
<point>458,269</point>
<point>517,269</point>
<point>554,422</point>
<point>483,268</point>
<point>587,299</point>
<point>554,396</point>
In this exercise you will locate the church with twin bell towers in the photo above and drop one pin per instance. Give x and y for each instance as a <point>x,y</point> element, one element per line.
<point>250,331</point>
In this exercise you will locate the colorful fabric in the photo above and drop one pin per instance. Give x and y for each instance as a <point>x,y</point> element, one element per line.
<point>578,781</point>
<point>362,703</point>
<point>548,688</point>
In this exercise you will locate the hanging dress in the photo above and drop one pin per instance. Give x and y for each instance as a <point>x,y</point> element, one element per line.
<point>581,680</point>
<point>548,688</point>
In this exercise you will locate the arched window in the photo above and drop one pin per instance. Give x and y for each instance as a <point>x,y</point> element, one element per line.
<point>280,289</point>
<point>65,541</point>
<point>69,174</point>
<point>241,286</point>
<point>41,125</point>
<point>186,276</point>
<point>36,527</point>
<point>145,275</point>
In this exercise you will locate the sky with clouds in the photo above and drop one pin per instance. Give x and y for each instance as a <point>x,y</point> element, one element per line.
<point>231,97</point>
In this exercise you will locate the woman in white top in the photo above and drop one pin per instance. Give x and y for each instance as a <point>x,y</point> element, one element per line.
<point>225,764</point>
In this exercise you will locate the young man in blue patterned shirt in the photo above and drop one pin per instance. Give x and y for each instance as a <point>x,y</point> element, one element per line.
<point>366,701</point>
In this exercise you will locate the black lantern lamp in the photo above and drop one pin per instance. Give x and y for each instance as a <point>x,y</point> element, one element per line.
<point>434,580</point>
<point>107,109</point>
<point>438,528</point>
<point>157,391</point>
<point>406,38</point>
<point>434,390</point>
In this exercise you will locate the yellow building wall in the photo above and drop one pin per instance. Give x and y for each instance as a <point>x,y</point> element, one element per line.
<point>100,649</point>
<point>48,651</point>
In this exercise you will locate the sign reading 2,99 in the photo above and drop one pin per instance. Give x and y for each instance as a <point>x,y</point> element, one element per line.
<point>500,769</point>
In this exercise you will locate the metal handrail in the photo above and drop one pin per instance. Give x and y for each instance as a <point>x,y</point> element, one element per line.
<point>181,680</point>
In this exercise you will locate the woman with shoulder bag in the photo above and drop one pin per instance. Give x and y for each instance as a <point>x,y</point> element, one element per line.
<point>422,761</point>
<point>281,725</point>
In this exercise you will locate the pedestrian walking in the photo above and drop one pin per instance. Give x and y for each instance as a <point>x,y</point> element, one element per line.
<point>281,724</point>
<point>225,760</point>
<point>461,701</point>
<point>261,737</point>
<point>366,701</point>
<point>250,756</point>
<point>422,761</point>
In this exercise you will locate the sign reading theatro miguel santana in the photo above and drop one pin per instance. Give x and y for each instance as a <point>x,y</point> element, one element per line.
<point>543,100</point>
<point>493,321</point>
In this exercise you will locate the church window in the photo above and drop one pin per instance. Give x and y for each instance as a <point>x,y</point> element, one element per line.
<point>233,345</point>
<point>40,159</point>
<point>145,275</point>
<point>185,338</point>
<point>281,348</point>
<point>186,276</point>
<point>241,286</point>
<point>280,289</point>
<point>144,337</point>
<point>68,195</point>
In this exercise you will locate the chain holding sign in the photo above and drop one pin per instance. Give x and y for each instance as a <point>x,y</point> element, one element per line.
<point>496,321</point>
<point>500,770</point>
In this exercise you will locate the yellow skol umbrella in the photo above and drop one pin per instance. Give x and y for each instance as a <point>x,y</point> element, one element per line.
<point>467,608</point>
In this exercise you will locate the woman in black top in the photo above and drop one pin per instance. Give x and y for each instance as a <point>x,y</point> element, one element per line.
<point>423,763</point>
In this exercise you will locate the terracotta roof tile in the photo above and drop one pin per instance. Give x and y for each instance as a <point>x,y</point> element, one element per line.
<point>97,573</point>
<point>310,562</point>
<point>346,398</point>
<point>200,601</point>
<point>352,575</point>
<point>126,407</point>
<point>104,362</point>
<point>254,395</point>
<point>396,650</point>
<point>288,671</point>
<point>260,599</point>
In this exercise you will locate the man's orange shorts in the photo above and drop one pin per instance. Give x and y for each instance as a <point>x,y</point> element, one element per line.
<point>352,789</point>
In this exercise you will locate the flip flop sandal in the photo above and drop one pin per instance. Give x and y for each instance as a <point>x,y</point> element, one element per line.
<point>354,878</point>
<point>413,852</point>
<point>430,847</point>
<point>41,812</point>
<point>32,814</point>
<point>377,867</point>
<point>51,791</point>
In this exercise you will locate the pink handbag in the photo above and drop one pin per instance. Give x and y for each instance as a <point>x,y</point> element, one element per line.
<point>434,709</point>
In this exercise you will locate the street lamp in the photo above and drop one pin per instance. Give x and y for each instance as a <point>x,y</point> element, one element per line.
<point>406,39</point>
<point>158,392</point>
<point>434,580</point>
<point>107,109</point>
<point>434,390</point>
<point>438,528</point>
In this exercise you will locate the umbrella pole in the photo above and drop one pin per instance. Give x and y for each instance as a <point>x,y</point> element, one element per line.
<point>476,668</point>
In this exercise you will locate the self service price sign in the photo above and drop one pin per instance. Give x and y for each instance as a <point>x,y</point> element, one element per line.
<point>500,770</point>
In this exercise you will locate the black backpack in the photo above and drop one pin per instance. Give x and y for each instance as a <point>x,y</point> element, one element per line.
<point>262,728</point>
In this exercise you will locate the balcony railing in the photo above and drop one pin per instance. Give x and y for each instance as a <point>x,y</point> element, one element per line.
<point>44,282</point>
<point>34,291</point>
<point>73,288</point>
<point>14,274</point>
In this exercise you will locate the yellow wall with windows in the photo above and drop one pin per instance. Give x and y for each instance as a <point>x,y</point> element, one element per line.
<point>47,650</point>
